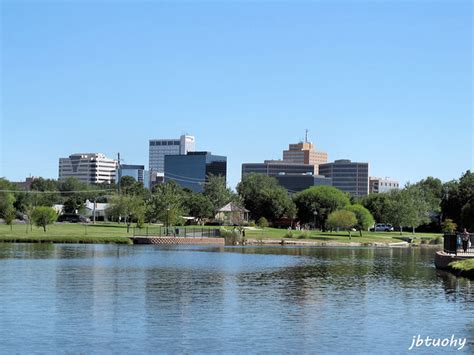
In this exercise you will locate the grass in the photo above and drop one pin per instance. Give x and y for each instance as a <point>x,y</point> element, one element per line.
<point>117,233</point>
<point>67,233</point>
<point>343,237</point>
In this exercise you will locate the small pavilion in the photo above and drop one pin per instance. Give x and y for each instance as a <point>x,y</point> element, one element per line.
<point>232,214</point>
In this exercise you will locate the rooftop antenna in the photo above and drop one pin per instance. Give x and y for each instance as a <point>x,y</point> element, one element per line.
<point>306,136</point>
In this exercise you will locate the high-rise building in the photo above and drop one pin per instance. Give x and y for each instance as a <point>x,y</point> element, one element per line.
<point>276,167</point>
<point>300,182</point>
<point>135,171</point>
<point>305,153</point>
<point>91,168</point>
<point>347,176</point>
<point>159,148</point>
<point>193,169</point>
<point>381,185</point>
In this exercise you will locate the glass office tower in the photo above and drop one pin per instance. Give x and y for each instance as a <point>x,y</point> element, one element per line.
<point>191,171</point>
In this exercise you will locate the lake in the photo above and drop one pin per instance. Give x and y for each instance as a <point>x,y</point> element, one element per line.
<point>144,299</point>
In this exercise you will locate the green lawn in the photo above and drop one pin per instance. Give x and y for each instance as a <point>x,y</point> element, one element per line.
<point>367,237</point>
<point>67,233</point>
<point>117,233</point>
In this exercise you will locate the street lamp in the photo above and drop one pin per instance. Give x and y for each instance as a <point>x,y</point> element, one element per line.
<point>167,220</point>
<point>315,213</point>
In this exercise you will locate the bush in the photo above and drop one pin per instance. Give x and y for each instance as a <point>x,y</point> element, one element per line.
<point>437,240</point>
<point>289,234</point>
<point>262,222</point>
<point>251,223</point>
<point>231,237</point>
<point>304,235</point>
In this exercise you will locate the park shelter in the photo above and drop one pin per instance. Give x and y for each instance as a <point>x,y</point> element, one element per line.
<point>232,214</point>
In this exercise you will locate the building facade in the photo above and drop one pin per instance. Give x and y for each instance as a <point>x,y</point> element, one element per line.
<point>305,153</point>
<point>91,168</point>
<point>159,148</point>
<point>137,172</point>
<point>300,182</point>
<point>277,167</point>
<point>193,169</point>
<point>381,185</point>
<point>347,176</point>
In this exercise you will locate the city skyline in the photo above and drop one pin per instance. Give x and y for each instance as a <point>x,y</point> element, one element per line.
<point>390,84</point>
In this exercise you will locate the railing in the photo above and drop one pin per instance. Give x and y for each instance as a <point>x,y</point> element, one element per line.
<point>184,232</point>
<point>454,244</point>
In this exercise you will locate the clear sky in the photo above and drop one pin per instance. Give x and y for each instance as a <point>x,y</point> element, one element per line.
<point>388,82</point>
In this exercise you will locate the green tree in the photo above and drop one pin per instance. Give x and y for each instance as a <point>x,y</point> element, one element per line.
<point>364,218</point>
<point>377,204</point>
<point>264,197</point>
<point>448,226</point>
<point>166,203</point>
<point>262,222</point>
<point>217,192</point>
<point>199,206</point>
<point>407,207</point>
<point>43,216</point>
<point>49,189</point>
<point>7,209</point>
<point>320,199</point>
<point>467,215</point>
<point>341,219</point>
<point>130,208</point>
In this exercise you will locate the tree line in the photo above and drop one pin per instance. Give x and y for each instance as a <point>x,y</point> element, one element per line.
<point>428,205</point>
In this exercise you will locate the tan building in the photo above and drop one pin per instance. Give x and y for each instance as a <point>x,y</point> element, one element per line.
<point>305,153</point>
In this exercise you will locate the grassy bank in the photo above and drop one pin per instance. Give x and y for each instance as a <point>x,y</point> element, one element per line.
<point>117,233</point>
<point>342,237</point>
<point>67,233</point>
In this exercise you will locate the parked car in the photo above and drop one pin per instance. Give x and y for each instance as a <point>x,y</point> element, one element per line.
<point>73,218</point>
<point>382,227</point>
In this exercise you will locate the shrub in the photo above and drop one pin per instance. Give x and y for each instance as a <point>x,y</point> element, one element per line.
<point>304,235</point>
<point>289,234</point>
<point>262,222</point>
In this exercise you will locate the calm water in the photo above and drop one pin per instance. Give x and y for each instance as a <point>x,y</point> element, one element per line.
<point>134,299</point>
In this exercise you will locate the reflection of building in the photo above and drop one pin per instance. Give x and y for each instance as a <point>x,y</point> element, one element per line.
<point>276,167</point>
<point>159,148</point>
<point>380,185</point>
<point>91,168</point>
<point>300,182</point>
<point>191,170</point>
<point>351,177</point>
<point>305,153</point>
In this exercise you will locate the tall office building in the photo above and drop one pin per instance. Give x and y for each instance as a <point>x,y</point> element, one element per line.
<point>351,177</point>
<point>277,167</point>
<point>91,168</point>
<point>381,185</point>
<point>135,171</point>
<point>305,153</point>
<point>159,148</point>
<point>193,169</point>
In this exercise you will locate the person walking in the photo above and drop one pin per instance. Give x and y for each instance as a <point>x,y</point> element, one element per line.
<point>465,240</point>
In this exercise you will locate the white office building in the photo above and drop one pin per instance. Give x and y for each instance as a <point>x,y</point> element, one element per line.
<point>161,147</point>
<point>381,185</point>
<point>91,168</point>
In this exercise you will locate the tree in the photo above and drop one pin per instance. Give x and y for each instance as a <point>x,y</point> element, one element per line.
<point>320,199</point>
<point>51,193</point>
<point>364,218</point>
<point>199,206</point>
<point>262,222</point>
<point>407,207</point>
<point>264,197</point>
<point>448,226</point>
<point>467,215</point>
<point>217,192</point>
<point>43,216</point>
<point>7,209</point>
<point>166,203</point>
<point>131,208</point>
<point>341,219</point>
<point>377,204</point>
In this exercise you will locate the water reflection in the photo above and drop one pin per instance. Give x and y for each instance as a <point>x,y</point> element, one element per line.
<point>84,298</point>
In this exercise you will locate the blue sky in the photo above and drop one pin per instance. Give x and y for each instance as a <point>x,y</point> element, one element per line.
<point>388,82</point>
